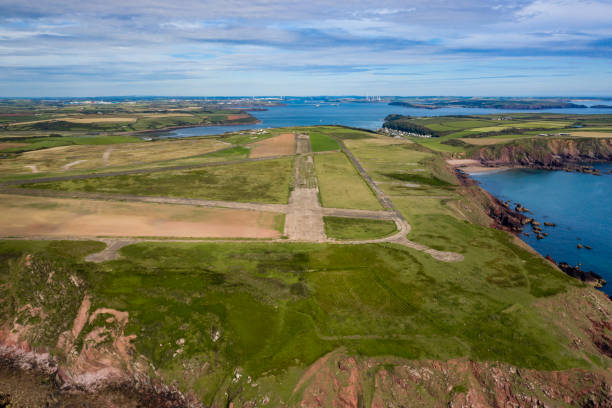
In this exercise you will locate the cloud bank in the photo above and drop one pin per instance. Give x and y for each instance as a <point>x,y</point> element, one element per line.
<point>269,47</point>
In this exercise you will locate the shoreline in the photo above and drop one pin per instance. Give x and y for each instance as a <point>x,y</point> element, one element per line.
<point>171,128</point>
<point>514,220</point>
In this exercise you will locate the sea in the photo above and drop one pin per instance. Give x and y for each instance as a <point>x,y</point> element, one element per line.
<point>355,114</point>
<point>580,204</point>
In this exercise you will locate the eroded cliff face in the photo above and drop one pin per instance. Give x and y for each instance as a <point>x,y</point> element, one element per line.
<point>546,153</point>
<point>51,327</point>
<point>346,382</point>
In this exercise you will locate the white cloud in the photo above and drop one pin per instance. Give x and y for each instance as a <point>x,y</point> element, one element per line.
<point>566,13</point>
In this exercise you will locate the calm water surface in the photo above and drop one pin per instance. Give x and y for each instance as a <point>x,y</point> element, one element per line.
<point>361,115</point>
<point>580,205</point>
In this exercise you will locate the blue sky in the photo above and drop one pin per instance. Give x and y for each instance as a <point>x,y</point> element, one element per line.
<point>287,47</point>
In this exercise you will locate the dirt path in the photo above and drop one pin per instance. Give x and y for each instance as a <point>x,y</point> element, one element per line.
<point>304,219</point>
<point>382,197</point>
<point>111,251</point>
<point>106,155</point>
<point>302,144</point>
<point>71,164</point>
<point>32,167</point>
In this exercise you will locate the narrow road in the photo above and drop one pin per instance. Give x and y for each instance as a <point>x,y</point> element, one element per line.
<point>304,219</point>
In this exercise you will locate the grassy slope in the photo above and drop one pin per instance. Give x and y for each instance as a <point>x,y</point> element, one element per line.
<point>264,181</point>
<point>281,305</point>
<point>340,184</point>
<point>357,228</point>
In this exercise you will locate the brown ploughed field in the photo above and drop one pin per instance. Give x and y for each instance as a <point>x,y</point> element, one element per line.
<point>281,145</point>
<point>40,216</point>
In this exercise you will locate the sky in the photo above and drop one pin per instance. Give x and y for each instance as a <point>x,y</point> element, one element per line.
<point>306,47</point>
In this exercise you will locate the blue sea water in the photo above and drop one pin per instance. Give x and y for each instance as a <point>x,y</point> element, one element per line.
<point>580,204</point>
<point>355,114</point>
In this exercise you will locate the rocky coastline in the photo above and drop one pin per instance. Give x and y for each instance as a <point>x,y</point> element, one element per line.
<point>568,154</point>
<point>560,156</point>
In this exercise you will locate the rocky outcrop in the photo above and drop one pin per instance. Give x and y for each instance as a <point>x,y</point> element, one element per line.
<point>558,153</point>
<point>91,351</point>
<point>503,217</point>
<point>589,277</point>
<point>345,382</point>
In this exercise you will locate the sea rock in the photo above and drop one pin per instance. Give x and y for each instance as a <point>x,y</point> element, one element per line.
<point>589,277</point>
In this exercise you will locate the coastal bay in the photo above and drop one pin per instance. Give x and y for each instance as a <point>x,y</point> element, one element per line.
<point>579,204</point>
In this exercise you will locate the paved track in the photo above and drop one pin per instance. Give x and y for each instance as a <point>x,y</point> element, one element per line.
<point>304,214</point>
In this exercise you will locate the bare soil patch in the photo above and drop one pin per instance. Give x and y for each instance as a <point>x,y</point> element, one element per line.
<point>473,166</point>
<point>40,216</point>
<point>237,116</point>
<point>8,145</point>
<point>463,162</point>
<point>281,145</point>
<point>32,167</point>
<point>72,164</point>
<point>486,141</point>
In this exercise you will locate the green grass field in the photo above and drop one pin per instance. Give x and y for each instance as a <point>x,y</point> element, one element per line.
<point>320,142</point>
<point>38,143</point>
<point>340,184</point>
<point>357,228</point>
<point>261,182</point>
<point>275,306</point>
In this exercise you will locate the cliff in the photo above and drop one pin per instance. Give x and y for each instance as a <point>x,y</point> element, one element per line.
<point>547,153</point>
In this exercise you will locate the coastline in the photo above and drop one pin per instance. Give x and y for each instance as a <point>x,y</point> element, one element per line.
<point>472,166</point>
<point>171,128</point>
<point>514,220</point>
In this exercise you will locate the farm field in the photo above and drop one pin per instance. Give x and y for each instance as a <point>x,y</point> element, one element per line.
<point>37,216</point>
<point>320,142</point>
<point>281,145</point>
<point>598,134</point>
<point>88,157</point>
<point>341,186</point>
<point>460,134</point>
<point>357,229</point>
<point>120,117</point>
<point>261,182</point>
